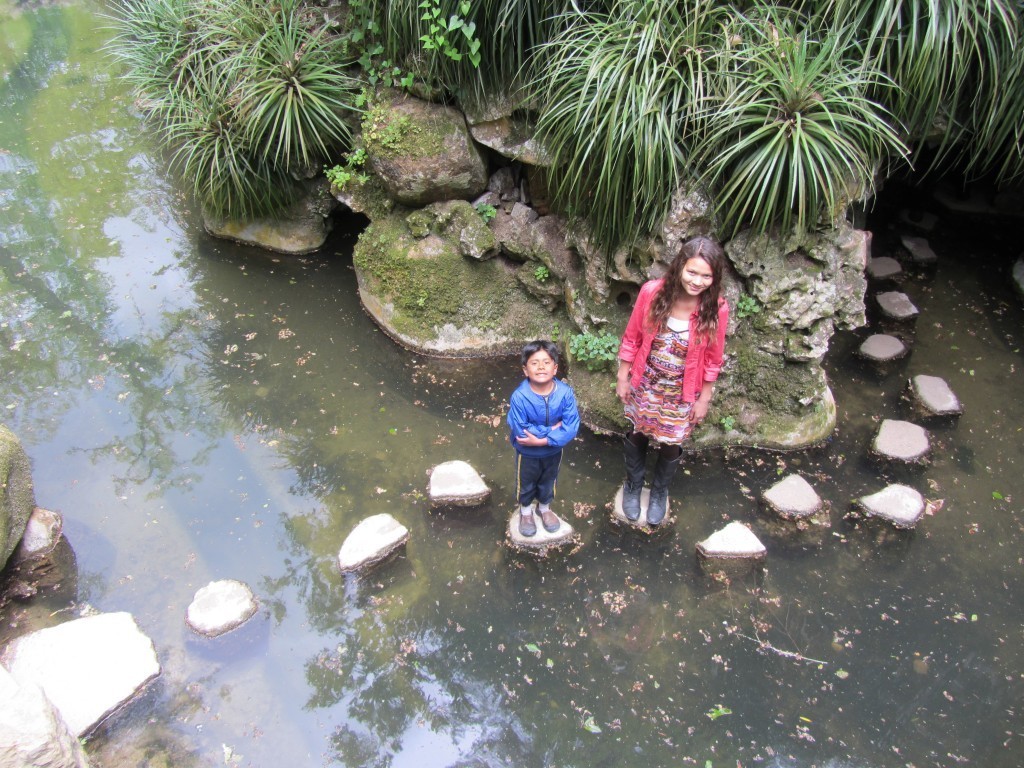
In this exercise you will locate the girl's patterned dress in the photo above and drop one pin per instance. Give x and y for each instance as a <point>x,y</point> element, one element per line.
<point>656,407</point>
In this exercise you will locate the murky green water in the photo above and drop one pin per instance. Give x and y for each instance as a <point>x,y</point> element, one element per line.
<point>198,410</point>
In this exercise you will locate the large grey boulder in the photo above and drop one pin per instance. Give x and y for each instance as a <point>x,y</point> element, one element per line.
<point>220,606</point>
<point>88,667</point>
<point>32,733</point>
<point>422,152</point>
<point>371,542</point>
<point>17,496</point>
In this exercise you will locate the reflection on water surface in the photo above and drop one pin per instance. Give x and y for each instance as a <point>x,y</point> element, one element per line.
<point>198,410</point>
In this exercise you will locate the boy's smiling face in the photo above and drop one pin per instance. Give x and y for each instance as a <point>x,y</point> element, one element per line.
<point>540,369</point>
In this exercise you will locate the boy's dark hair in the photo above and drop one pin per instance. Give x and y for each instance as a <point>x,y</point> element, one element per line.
<point>536,346</point>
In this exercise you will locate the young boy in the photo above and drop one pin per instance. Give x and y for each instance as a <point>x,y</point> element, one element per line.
<point>542,418</point>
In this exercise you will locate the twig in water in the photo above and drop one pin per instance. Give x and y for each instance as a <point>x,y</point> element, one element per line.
<point>766,646</point>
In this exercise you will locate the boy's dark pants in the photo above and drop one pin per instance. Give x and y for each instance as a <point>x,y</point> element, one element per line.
<point>535,478</point>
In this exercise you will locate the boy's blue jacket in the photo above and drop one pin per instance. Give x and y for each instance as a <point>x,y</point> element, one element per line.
<point>530,411</point>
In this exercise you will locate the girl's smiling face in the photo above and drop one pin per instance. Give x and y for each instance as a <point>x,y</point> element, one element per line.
<point>540,368</point>
<point>696,276</point>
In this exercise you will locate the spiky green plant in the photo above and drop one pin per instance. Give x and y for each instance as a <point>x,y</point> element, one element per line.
<point>625,97</point>
<point>797,137</point>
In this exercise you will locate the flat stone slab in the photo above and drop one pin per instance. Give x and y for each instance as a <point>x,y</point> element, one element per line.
<point>542,539</point>
<point>881,347</point>
<point>919,249</point>
<point>641,522</point>
<point>734,542</point>
<point>923,220</point>
<point>901,441</point>
<point>896,305</point>
<point>456,483</point>
<point>88,668</point>
<point>883,268</point>
<point>220,606</point>
<point>793,498</point>
<point>370,542</point>
<point>933,395</point>
<point>899,505</point>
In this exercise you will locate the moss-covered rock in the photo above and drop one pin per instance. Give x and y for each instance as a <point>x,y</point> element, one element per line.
<point>17,496</point>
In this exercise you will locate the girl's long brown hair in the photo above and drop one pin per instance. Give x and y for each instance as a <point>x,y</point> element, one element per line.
<point>711,252</point>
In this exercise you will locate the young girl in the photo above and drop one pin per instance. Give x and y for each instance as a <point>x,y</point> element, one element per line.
<point>669,359</point>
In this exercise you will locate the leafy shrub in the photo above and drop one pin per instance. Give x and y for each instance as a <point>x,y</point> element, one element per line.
<point>487,211</point>
<point>598,352</point>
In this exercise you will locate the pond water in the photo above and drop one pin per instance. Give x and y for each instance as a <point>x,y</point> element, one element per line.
<point>198,410</point>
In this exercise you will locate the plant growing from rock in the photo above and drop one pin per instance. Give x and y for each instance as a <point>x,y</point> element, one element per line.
<point>487,211</point>
<point>541,273</point>
<point>598,352</point>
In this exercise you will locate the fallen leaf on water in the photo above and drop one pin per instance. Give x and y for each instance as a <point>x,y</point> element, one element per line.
<point>590,725</point>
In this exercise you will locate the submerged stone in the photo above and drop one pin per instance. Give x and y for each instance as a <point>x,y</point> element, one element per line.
<point>793,498</point>
<point>881,347</point>
<point>456,483</point>
<point>899,505</point>
<point>901,441</point>
<point>641,523</point>
<point>370,542</point>
<point>542,540</point>
<point>883,268</point>
<point>87,667</point>
<point>896,305</point>
<point>220,606</point>
<point>734,542</point>
<point>933,395</point>
<point>919,249</point>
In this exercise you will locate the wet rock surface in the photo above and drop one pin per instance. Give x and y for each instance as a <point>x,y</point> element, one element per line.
<point>900,505</point>
<point>884,268</point>
<point>371,542</point>
<point>919,249</point>
<point>793,498</point>
<point>934,396</point>
<point>87,667</point>
<point>42,532</point>
<point>896,305</point>
<point>901,441</point>
<point>881,347</point>
<point>734,542</point>
<point>220,606</point>
<point>458,484</point>
<point>18,499</point>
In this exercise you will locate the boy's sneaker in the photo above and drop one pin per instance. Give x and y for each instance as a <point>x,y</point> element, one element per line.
<point>550,520</point>
<point>527,525</point>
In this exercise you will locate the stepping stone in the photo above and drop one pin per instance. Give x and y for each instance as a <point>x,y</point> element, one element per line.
<point>934,396</point>
<point>456,483</point>
<point>896,305</point>
<point>793,498</point>
<point>899,505</point>
<point>883,268</point>
<point>1018,276</point>
<point>734,542</point>
<point>901,441</point>
<point>42,532</point>
<point>641,522</point>
<point>220,606</point>
<point>88,668</point>
<point>370,542</point>
<point>921,219</point>
<point>882,348</point>
<point>919,249</point>
<point>542,539</point>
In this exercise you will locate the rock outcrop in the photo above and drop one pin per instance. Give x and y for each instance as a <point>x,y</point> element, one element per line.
<point>17,497</point>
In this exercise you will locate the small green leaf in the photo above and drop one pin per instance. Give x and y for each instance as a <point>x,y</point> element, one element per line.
<point>590,725</point>
<point>549,663</point>
<point>532,648</point>
<point>842,674</point>
<point>997,495</point>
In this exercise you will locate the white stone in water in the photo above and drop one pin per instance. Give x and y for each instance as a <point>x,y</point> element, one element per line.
<point>901,440</point>
<point>32,732</point>
<point>793,497</point>
<point>896,305</point>
<point>883,267</point>
<point>42,532</point>
<point>735,541</point>
<point>882,347</point>
<point>220,606</point>
<point>920,251</point>
<point>371,541</point>
<point>87,667</point>
<point>935,396</point>
<point>456,483</point>
<point>898,504</point>
<point>542,538</point>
